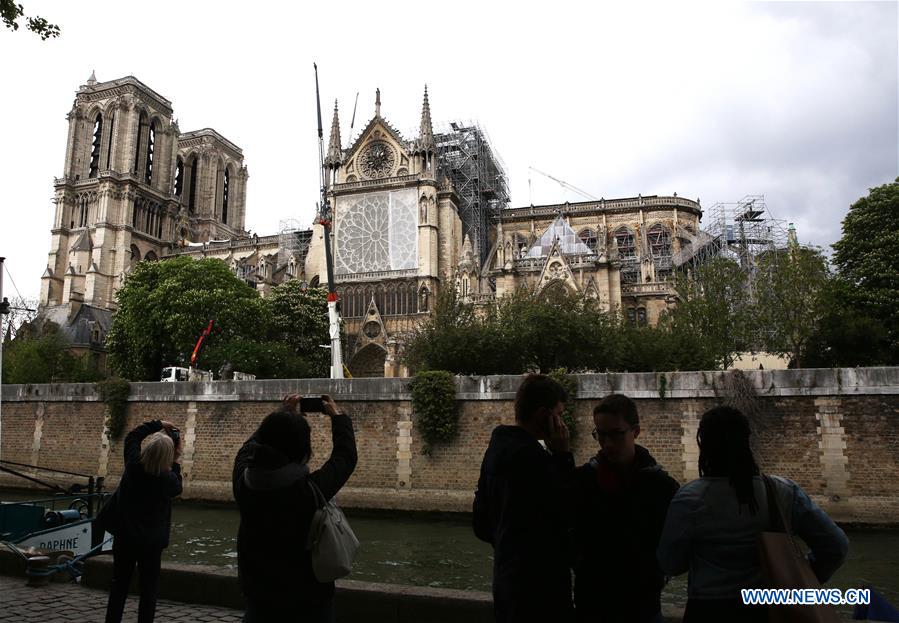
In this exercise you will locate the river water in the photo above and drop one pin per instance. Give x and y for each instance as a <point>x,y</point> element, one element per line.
<point>440,550</point>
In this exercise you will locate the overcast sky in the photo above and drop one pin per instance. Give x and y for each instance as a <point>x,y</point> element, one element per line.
<point>796,101</point>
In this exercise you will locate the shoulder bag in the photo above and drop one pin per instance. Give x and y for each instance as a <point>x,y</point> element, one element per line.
<point>331,541</point>
<point>785,566</point>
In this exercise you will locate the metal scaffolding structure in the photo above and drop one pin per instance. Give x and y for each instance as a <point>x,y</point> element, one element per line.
<point>293,241</point>
<point>478,175</point>
<point>742,231</point>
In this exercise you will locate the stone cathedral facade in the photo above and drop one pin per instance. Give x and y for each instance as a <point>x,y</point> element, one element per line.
<point>135,188</point>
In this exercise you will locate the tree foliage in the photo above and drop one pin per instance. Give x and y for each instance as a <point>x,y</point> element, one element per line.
<point>39,354</point>
<point>789,286</point>
<point>11,12</point>
<point>163,307</point>
<point>435,408</point>
<point>867,259</point>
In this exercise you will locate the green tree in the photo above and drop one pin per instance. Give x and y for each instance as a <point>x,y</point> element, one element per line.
<point>867,259</point>
<point>789,287</point>
<point>163,307</point>
<point>11,12</point>
<point>712,315</point>
<point>299,319</point>
<point>39,354</point>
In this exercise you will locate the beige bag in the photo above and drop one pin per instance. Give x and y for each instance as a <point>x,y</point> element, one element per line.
<point>331,541</point>
<point>785,566</point>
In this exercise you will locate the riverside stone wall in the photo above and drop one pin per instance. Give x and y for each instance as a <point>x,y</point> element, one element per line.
<point>836,432</point>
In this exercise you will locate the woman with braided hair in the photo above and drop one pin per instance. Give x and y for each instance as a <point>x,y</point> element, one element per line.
<point>713,524</point>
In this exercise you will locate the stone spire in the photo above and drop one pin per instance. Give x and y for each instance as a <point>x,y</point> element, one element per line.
<point>377,102</point>
<point>93,79</point>
<point>426,133</point>
<point>335,157</point>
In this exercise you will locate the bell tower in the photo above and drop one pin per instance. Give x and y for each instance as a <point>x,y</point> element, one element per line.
<point>114,202</point>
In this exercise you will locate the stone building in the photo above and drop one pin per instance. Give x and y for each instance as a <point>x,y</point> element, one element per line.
<point>410,216</point>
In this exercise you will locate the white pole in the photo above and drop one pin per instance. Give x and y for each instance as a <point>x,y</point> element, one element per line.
<point>2,337</point>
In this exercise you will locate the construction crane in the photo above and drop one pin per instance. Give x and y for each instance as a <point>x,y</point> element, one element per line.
<point>563,184</point>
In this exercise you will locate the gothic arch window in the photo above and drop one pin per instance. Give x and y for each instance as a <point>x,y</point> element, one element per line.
<point>194,175</point>
<point>291,267</point>
<point>151,146</point>
<point>140,141</point>
<point>96,145</point>
<point>588,237</point>
<point>109,141</point>
<point>314,282</point>
<point>465,285</point>
<point>150,257</point>
<point>627,247</point>
<point>179,177</point>
<point>135,255</point>
<point>641,316</point>
<point>659,240</point>
<point>519,245</point>
<point>631,315</point>
<point>226,182</point>
<point>83,211</point>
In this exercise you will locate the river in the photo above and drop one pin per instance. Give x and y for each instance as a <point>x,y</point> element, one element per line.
<point>440,550</point>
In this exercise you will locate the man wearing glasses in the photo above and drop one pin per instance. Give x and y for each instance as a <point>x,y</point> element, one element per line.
<point>622,498</point>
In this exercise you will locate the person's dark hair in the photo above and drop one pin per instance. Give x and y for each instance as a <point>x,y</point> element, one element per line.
<point>286,432</point>
<point>620,405</point>
<point>537,390</point>
<point>724,450</point>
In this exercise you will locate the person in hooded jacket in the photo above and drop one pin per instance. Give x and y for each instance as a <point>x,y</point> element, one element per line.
<point>622,497</point>
<point>143,515</point>
<point>271,486</point>
<point>522,507</point>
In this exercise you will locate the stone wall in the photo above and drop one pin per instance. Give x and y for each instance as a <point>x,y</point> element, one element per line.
<point>833,431</point>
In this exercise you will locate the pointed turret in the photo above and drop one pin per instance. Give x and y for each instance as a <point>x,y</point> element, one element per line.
<point>426,132</point>
<point>335,156</point>
<point>93,79</point>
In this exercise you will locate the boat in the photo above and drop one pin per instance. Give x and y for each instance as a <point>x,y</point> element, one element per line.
<point>63,522</point>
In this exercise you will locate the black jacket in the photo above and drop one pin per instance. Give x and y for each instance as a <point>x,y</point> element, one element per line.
<point>619,522</point>
<point>144,506</point>
<point>276,507</point>
<point>522,508</point>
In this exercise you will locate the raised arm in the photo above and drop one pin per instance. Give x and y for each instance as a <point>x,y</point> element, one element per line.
<point>136,436</point>
<point>331,476</point>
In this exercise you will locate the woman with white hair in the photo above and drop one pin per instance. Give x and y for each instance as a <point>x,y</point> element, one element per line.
<point>144,514</point>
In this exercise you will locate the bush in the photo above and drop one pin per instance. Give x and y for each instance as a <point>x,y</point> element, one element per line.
<point>434,406</point>
<point>569,384</point>
<point>114,393</point>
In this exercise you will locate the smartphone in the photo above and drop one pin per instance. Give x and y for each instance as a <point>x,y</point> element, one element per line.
<point>312,405</point>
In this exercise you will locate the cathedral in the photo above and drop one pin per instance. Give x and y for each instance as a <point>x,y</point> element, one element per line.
<point>410,216</point>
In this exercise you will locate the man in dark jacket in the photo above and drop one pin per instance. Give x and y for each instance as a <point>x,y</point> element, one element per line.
<point>276,505</point>
<point>623,496</point>
<point>522,507</point>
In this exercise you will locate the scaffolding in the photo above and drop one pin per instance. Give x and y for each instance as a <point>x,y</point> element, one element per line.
<point>743,232</point>
<point>293,242</point>
<point>478,175</point>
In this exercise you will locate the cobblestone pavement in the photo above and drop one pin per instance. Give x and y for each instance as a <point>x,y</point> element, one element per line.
<point>60,603</point>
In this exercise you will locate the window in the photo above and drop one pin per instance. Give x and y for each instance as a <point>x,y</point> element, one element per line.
<point>151,145</point>
<point>179,177</point>
<point>659,241</point>
<point>641,316</point>
<point>225,185</point>
<point>194,174</point>
<point>95,147</point>
<point>625,240</point>
<point>109,142</point>
<point>588,237</point>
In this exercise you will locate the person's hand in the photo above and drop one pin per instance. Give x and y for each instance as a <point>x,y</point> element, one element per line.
<point>330,406</point>
<point>167,425</point>
<point>291,401</point>
<point>559,437</point>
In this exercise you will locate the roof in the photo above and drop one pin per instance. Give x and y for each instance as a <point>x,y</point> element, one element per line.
<point>569,242</point>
